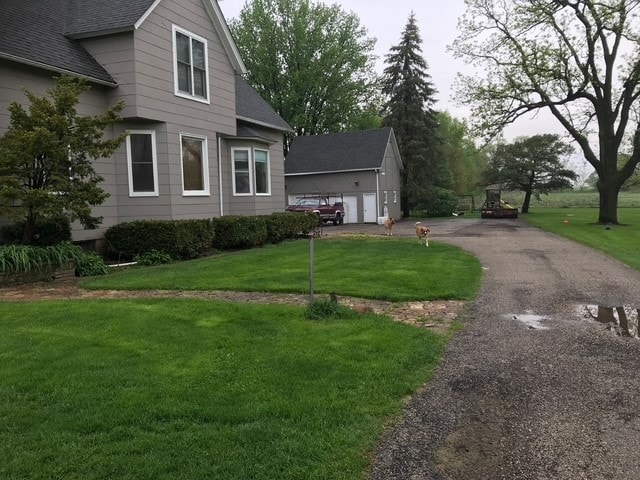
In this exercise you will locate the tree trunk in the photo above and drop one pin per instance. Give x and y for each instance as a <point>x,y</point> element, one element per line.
<point>29,230</point>
<point>404,205</point>
<point>526,201</point>
<point>608,203</point>
<point>404,195</point>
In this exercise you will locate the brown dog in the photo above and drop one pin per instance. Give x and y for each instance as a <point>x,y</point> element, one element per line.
<point>388,226</point>
<point>422,232</point>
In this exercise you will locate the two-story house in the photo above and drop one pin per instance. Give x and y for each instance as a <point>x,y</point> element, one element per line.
<point>202,143</point>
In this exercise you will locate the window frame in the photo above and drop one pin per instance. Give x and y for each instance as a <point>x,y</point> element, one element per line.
<point>176,88</point>
<point>205,192</point>
<point>233,171</point>
<point>154,157</point>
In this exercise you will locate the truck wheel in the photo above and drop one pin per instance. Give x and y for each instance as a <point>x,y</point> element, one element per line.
<point>338,219</point>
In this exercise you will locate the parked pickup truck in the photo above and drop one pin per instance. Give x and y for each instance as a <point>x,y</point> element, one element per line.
<point>322,207</point>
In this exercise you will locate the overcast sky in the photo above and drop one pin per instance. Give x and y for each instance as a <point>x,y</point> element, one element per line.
<point>437,21</point>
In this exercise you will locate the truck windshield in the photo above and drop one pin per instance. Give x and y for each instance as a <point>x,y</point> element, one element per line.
<point>307,202</point>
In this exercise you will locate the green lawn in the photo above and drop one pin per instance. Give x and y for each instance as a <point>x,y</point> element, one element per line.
<point>395,269</point>
<point>175,388</point>
<point>198,389</point>
<point>619,241</point>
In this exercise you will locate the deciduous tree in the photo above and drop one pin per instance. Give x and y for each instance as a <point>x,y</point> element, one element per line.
<point>311,62</point>
<point>577,59</point>
<point>533,165</point>
<point>466,161</point>
<point>46,158</point>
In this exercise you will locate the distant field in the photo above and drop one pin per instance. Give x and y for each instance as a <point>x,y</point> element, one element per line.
<point>572,199</point>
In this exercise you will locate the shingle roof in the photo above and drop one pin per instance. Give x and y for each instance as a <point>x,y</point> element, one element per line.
<point>93,17</point>
<point>337,152</point>
<point>245,131</point>
<point>43,33</point>
<point>33,33</point>
<point>251,106</point>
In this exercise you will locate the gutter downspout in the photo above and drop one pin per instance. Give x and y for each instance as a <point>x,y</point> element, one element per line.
<point>377,194</point>
<point>220,174</point>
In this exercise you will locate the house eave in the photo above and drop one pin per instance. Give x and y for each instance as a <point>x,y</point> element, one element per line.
<point>246,138</point>
<point>98,33</point>
<point>300,174</point>
<point>51,68</point>
<point>263,124</point>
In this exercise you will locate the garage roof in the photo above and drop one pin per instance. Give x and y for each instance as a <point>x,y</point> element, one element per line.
<point>338,152</point>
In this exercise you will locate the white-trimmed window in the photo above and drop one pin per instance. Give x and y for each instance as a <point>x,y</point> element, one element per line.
<point>190,65</point>
<point>262,172</point>
<point>142,163</point>
<point>251,171</point>
<point>241,165</point>
<point>195,165</point>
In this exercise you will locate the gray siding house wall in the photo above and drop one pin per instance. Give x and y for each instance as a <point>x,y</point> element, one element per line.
<point>127,49</point>
<point>364,168</point>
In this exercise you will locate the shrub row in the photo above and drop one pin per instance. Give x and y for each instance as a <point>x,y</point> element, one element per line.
<point>181,239</point>
<point>184,239</point>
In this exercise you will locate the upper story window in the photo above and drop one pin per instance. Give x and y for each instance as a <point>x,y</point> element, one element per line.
<point>142,163</point>
<point>190,65</point>
<point>251,171</point>
<point>195,165</point>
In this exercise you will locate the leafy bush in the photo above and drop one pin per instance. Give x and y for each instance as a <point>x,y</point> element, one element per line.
<point>239,232</point>
<point>181,239</point>
<point>288,225</point>
<point>46,233</point>
<point>437,202</point>
<point>152,257</point>
<point>90,264</point>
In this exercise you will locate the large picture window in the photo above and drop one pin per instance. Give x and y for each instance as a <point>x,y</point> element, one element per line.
<point>251,171</point>
<point>142,163</point>
<point>191,72</point>
<point>195,166</point>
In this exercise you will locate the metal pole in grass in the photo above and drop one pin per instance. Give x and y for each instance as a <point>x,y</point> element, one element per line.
<point>311,262</point>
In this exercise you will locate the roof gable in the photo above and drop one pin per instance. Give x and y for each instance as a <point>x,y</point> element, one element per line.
<point>46,33</point>
<point>338,152</point>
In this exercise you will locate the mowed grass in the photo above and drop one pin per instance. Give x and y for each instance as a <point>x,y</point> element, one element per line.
<point>166,389</point>
<point>580,224</point>
<point>394,269</point>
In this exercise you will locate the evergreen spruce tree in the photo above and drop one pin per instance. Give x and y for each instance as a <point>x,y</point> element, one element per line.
<point>409,111</point>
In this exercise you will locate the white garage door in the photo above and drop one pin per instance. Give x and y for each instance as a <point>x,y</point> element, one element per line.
<point>350,209</point>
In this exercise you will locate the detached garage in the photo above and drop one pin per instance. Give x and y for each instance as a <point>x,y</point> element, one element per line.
<point>361,168</point>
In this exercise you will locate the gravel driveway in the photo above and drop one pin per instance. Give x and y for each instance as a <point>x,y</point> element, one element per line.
<point>530,388</point>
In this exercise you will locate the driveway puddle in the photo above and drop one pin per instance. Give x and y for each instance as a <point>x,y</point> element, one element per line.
<point>623,320</point>
<point>533,322</point>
